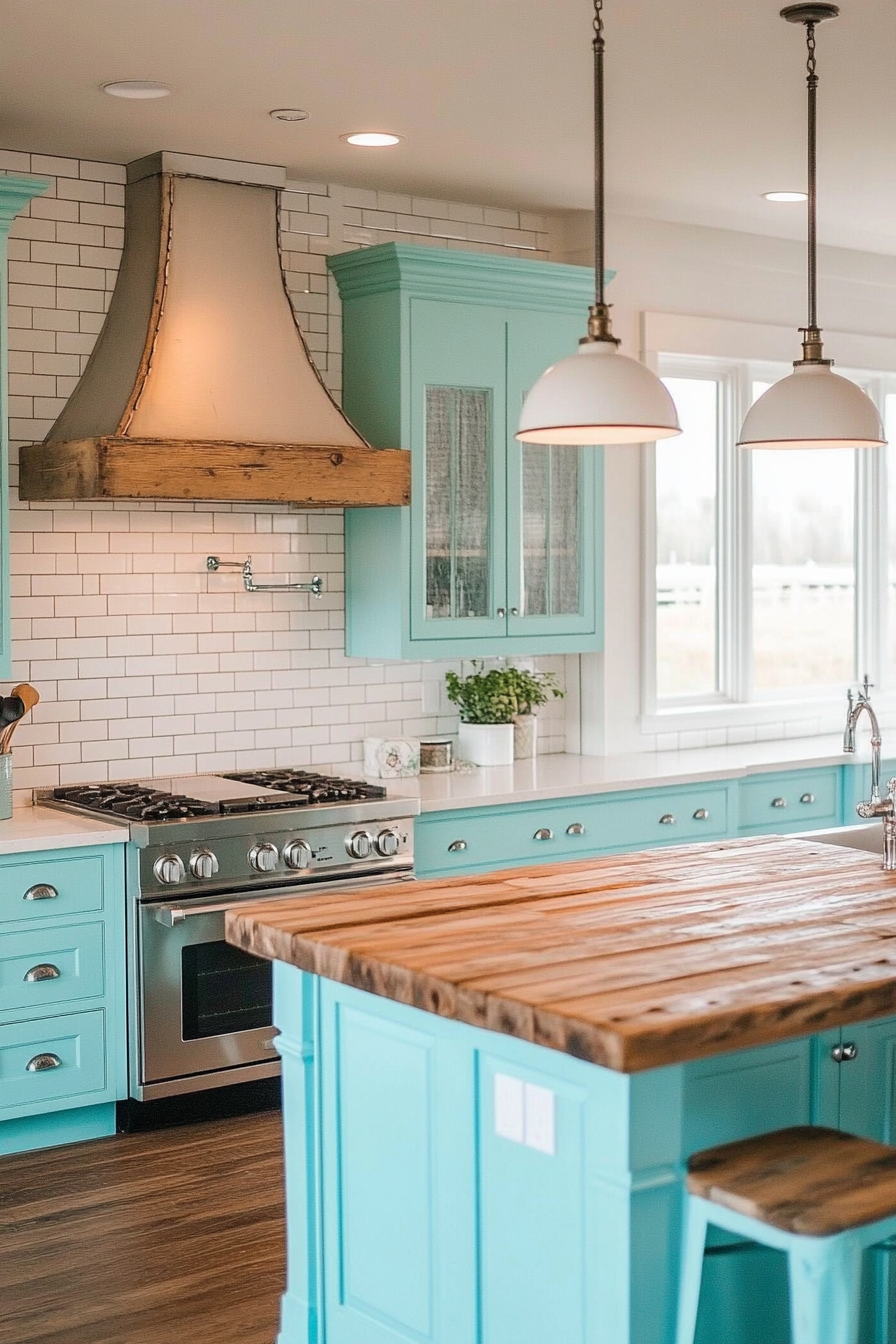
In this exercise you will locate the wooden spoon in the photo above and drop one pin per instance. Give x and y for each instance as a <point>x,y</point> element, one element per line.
<point>29,697</point>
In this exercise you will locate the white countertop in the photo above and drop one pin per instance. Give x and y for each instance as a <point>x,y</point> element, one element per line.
<point>33,828</point>
<point>562,776</point>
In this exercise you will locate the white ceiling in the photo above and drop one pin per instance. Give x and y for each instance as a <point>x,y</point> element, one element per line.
<point>705,99</point>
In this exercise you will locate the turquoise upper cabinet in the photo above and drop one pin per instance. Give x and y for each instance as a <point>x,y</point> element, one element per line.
<point>501,549</point>
<point>14,193</point>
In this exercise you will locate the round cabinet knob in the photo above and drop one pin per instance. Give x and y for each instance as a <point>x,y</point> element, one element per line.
<point>360,845</point>
<point>169,869</point>
<point>297,854</point>
<point>203,864</point>
<point>263,858</point>
<point>388,843</point>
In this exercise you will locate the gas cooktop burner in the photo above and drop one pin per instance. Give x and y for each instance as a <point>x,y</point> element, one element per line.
<point>218,795</point>
<point>137,801</point>
<point>308,787</point>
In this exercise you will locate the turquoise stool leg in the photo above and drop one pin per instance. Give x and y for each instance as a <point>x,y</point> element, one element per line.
<point>692,1248</point>
<point>825,1281</point>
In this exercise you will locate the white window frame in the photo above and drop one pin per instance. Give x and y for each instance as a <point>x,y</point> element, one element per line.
<point>737,354</point>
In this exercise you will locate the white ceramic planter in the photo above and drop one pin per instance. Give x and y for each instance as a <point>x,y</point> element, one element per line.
<point>525,735</point>
<point>486,743</point>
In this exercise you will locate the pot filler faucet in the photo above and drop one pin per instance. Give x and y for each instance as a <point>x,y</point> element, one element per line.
<point>885,808</point>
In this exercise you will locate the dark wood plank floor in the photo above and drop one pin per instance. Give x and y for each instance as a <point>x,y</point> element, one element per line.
<point>175,1237</point>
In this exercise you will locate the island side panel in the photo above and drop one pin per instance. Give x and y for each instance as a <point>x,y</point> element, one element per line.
<point>451,1185</point>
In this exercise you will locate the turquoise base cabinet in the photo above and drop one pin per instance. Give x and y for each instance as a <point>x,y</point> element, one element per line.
<point>63,1052</point>
<point>15,193</point>
<point>500,551</point>
<point>476,839</point>
<point>448,1185</point>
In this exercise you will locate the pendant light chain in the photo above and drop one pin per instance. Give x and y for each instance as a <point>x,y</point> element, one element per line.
<point>599,47</point>
<point>599,328</point>
<point>812,334</point>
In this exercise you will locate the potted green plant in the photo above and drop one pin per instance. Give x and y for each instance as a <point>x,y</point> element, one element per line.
<point>487,706</point>
<point>496,712</point>
<point>529,689</point>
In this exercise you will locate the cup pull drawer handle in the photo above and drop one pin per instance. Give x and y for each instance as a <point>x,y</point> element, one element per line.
<point>667,819</point>
<point>575,829</point>
<point>808,798</point>
<point>456,846</point>
<point>41,891</point>
<point>40,1063</point>
<point>779,802</point>
<point>701,814</point>
<point>45,971</point>
<point>543,833</point>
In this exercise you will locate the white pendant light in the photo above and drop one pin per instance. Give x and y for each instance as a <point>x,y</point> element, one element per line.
<point>598,395</point>
<point>812,407</point>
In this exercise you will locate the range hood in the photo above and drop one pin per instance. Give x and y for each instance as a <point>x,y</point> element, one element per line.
<point>200,386</point>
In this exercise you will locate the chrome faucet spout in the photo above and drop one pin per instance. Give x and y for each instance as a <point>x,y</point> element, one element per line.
<point>857,705</point>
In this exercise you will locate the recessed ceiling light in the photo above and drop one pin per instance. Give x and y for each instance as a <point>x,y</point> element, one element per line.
<point>137,88</point>
<point>371,139</point>
<point>785,196</point>
<point>288,114</point>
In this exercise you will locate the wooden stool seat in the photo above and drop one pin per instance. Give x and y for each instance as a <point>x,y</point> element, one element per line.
<point>821,1196</point>
<point>809,1180</point>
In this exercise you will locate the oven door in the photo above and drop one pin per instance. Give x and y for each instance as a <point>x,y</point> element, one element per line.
<point>205,1007</point>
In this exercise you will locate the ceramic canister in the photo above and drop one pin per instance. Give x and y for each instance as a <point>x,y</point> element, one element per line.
<point>5,785</point>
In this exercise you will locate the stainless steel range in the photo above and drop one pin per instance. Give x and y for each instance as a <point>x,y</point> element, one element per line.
<point>200,1010</point>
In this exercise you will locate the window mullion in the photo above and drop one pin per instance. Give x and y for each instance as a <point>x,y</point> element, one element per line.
<point>741,544</point>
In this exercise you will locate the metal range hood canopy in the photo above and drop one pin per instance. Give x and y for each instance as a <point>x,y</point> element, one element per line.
<point>200,385</point>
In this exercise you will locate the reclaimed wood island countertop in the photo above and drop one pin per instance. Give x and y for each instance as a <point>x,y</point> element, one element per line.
<point>631,962</point>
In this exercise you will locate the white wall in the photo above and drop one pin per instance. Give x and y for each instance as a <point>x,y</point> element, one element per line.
<point>712,273</point>
<point>146,664</point>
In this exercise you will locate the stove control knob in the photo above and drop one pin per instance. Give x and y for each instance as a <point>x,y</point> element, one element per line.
<point>297,854</point>
<point>388,843</point>
<point>169,869</point>
<point>263,857</point>
<point>360,845</point>
<point>203,864</point>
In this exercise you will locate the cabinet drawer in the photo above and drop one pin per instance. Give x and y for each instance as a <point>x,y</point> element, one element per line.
<point>805,798</point>
<point>46,966</point>
<point>40,887</point>
<point>498,837</point>
<point>664,817</point>
<point>73,1050</point>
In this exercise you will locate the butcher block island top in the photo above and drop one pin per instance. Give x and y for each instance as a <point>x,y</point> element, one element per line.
<point>632,962</point>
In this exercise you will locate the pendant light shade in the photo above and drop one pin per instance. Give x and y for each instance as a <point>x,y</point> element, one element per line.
<point>813,407</point>
<point>597,395</point>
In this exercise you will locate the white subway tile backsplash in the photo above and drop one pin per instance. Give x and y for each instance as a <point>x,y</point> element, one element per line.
<point>146,663</point>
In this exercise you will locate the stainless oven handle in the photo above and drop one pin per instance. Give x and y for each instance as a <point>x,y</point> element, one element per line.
<point>170,915</point>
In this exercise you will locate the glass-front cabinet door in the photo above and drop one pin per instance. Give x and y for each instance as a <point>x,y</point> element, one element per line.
<point>554,504</point>
<point>458,583</point>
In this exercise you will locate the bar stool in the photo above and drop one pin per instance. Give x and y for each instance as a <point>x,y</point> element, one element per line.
<point>819,1194</point>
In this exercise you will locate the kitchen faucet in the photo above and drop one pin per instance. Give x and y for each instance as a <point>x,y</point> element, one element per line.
<point>876,806</point>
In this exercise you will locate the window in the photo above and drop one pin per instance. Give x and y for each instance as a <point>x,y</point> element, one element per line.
<point>775,577</point>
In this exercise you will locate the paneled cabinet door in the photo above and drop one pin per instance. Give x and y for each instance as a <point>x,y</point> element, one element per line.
<point>554,498</point>
<point>868,1107</point>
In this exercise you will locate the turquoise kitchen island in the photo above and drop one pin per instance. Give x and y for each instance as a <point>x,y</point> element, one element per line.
<point>492,1085</point>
